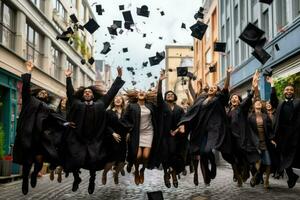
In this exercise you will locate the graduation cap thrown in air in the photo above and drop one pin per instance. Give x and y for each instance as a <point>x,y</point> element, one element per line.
<point>162,13</point>
<point>160,37</point>
<point>183,25</point>
<point>112,30</point>
<point>148,46</point>
<point>266,1</point>
<point>106,48</point>
<point>118,23</point>
<point>198,30</point>
<point>143,11</point>
<point>149,74</point>
<point>128,17</point>
<point>133,82</point>
<point>121,7</point>
<point>127,59</point>
<point>212,68</point>
<point>91,26</point>
<point>144,34</point>
<point>63,37</point>
<point>251,35</point>
<point>145,64</point>
<point>182,71</point>
<point>155,60</point>
<point>220,46</point>
<point>99,9</point>
<point>91,60</point>
<point>199,14</point>
<point>174,41</point>
<point>261,55</point>
<point>83,61</point>
<point>74,18</point>
<point>125,50</point>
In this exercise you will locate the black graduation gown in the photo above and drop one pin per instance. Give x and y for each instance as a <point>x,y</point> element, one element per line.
<point>269,135</point>
<point>208,125</point>
<point>87,150</point>
<point>132,117</point>
<point>287,136</point>
<point>242,143</point>
<point>38,126</point>
<point>116,151</point>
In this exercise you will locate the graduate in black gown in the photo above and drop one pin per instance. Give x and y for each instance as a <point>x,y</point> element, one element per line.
<point>239,129</point>
<point>174,145</point>
<point>287,131</point>
<point>117,141</point>
<point>37,128</point>
<point>206,121</point>
<point>84,145</point>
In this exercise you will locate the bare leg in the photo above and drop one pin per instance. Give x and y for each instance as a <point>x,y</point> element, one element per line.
<point>107,167</point>
<point>137,163</point>
<point>268,171</point>
<point>145,158</point>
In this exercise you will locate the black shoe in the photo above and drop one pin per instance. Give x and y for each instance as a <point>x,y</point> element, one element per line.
<point>167,180</point>
<point>25,186</point>
<point>128,167</point>
<point>66,174</point>
<point>76,184</point>
<point>122,172</point>
<point>292,180</point>
<point>213,171</point>
<point>33,180</point>
<point>196,182</point>
<point>91,187</point>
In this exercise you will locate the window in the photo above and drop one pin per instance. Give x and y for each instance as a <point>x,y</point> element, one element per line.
<point>7,26</point>
<point>59,9</point>
<point>223,66</point>
<point>243,14</point>
<point>265,23</point>
<point>228,61</point>
<point>34,45</point>
<point>38,3</point>
<point>236,21</point>
<point>55,68</point>
<point>73,67</point>
<point>208,32</point>
<point>208,57</point>
<point>296,8</point>
<point>243,51</point>
<point>281,14</point>
<point>228,31</point>
<point>236,53</point>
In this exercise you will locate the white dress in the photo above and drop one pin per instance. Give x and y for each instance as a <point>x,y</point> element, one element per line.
<point>146,128</point>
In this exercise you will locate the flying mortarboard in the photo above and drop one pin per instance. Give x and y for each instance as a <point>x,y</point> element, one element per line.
<point>266,1</point>
<point>133,82</point>
<point>261,55</point>
<point>162,13</point>
<point>199,14</point>
<point>251,35</point>
<point>144,34</point>
<point>145,64</point>
<point>125,50</point>
<point>128,17</point>
<point>106,48</point>
<point>83,61</point>
<point>112,30</point>
<point>127,59</point>
<point>149,74</point>
<point>74,18</point>
<point>99,9</point>
<point>174,41</point>
<point>160,37</point>
<point>63,37</point>
<point>182,71</point>
<point>118,23</point>
<point>198,30</point>
<point>220,46</point>
<point>121,31</point>
<point>183,25</point>
<point>148,46</point>
<point>212,68</point>
<point>121,7</point>
<point>91,60</point>
<point>143,11</point>
<point>91,26</point>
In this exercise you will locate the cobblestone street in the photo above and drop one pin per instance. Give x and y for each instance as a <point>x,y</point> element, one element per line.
<point>221,188</point>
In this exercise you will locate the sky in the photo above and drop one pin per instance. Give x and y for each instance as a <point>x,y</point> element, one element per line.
<point>167,26</point>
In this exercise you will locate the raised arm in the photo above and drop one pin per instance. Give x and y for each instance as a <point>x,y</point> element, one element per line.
<point>247,102</point>
<point>26,83</point>
<point>191,89</point>
<point>160,99</point>
<point>227,80</point>
<point>189,98</point>
<point>273,96</point>
<point>69,85</point>
<point>114,89</point>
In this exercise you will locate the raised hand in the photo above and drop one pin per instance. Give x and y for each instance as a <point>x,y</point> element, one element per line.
<point>68,72</point>
<point>29,65</point>
<point>120,71</point>
<point>270,80</point>
<point>229,69</point>
<point>162,75</point>
<point>255,79</point>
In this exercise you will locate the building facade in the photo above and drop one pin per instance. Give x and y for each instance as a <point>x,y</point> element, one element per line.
<point>204,49</point>
<point>178,55</point>
<point>28,30</point>
<point>103,74</point>
<point>281,23</point>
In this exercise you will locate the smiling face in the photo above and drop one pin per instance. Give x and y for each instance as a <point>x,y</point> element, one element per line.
<point>258,105</point>
<point>88,95</point>
<point>235,100</point>
<point>170,97</point>
<point>212,90</point>
<point>118,101</point>
<point>268,106</point>
<point>141,95</point>
<point>289,92</point>
<point>43,94</point>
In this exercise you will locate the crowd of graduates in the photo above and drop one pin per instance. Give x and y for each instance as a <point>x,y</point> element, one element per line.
<point>97,130</point>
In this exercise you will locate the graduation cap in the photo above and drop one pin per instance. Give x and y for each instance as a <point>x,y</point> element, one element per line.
<point>268,72</point>
<point>74,18</point>
<point>160,38</point>
<point>183,25</point>
<point>182,71</point>
<point>106,48</point>
<point>155,60</point>
<point>144,34</point>
<point>149,74</point>
<point>153,84</point>
<point>261,55</point>
<point>170,70</point>
<point>125,50</point>
<point>91,26</point>
<point>112,30</point>
<point>148,46</point>
<point>127,59</point>
<point>220,46</point>
<point>121,31</point>
<point>129,69</point>
<point>133,82</point>
<point>192,48</point>
<point>174,41</point>
<point>128,17</point>
<point>143,11</point>
<point>68,31</point>
<point>145,64</point>
<point>155,77</point>
<point>199,14</point>
<point>160,55</point>
<point>212,68</point>
<point>251,35</point>
<point>63,37</point>
<point>99,9</point>
<point>118,23</point>
<point>198,30</point>
<point>121,7</point>
<point>266,1</point>
<point>91,60</point>
<point>83,61</point>
<point>162,13</point>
